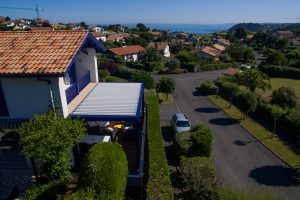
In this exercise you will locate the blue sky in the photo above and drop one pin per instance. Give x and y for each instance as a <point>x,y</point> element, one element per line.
<point>158,11</point>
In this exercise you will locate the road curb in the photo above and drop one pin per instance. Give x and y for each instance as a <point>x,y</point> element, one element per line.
<point>288,165</point>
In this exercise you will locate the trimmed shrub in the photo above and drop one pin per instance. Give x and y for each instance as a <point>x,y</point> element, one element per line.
<point>190,66</point>
<point>135,65</point>
<point>210,67</point>
<point>206,86</point>
<point>246,102</point>
<point>103,74</point>
<point>47,191</point>
<point>229,91</point>
<point>201,138</point>
<point>105,169</point>
<point>86,194</point>
<point>153,66</point>
<point>144,77</point>
<point>124,72</point>
<point>199,179</point>
<point>182,144</point>
<point>281,72</point>
<point>158,186</point>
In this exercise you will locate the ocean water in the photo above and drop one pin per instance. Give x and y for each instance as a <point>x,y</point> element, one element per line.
<point>189,28</point>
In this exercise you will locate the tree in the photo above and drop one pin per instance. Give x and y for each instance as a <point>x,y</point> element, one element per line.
<point>50,139</point>
<point>248,55</point>
<point>7,18</point>
<point>199,178</point>
<point>144,77</point>
<point>277,58</point>
<point>240,33</point>
<point>277,112</point>
<point>284,97</point>
<point>153,55</point>
<point>167,85</point>
<point>103,74</point>
<point>147,36</point>
<point>246,102</point>
<point>238,53</point>
<point>187,56</point>
<point>260,37</point>
<point>136,41</point>
<point>173,64</point>
<point>141,27</point>
<point>252,79</point>
<point>84,25</point>
<point>105,170</point>
<point>229,91</point>
<point>281,43</point>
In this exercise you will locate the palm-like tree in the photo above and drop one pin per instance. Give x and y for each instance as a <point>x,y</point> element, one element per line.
<point>253,79</point>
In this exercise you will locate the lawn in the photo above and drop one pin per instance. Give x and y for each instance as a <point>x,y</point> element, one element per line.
<point>279,82</point>
<point>279,147</point>
<point>165,99</point>
<point>116,79</point>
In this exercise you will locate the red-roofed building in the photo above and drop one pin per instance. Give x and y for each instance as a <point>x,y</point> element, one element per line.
<point>209,52</point>
<point>231,71</point>
<point>38,68</point>
<point>129,53</point>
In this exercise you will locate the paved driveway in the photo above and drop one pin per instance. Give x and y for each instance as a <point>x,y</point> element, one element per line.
<point>240,160</point>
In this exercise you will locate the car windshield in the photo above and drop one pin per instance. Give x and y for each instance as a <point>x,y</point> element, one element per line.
<point>182,124</point>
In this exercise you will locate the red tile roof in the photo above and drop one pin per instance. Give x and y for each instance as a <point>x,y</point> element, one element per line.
<point>38,52</point>
<point>211,51</point>
<point>219,47</point>
<point>231,71</point>
<point>126,50</point>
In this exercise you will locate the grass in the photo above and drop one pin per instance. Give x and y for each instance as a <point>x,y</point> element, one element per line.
<point>233,194</point>
<point>280,82</point>
<point>158,186</point>
<point>278,146</point>
<point>165,99</point>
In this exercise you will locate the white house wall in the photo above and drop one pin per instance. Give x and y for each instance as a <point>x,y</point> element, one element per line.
<point>26,97</point>
<point>87,62</point>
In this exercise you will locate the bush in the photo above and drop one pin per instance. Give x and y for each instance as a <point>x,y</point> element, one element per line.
<point>105,169</point>
<point>86,194</point>
<point>166,85</point>
<point>210,67</point>
<point>103,74</point>
<point>201,138</point>
<point>190,66</point>
<point>182,144</point>
<point>281,72</point>
<point>135,65</point>
<point>199,179</point>
<point>124,72</point>
<point>284,97</point>
<point>159,184</point>
<point>246,102</point>
<point>206,87</point>
<point>144,77</point>
<point>229,91</point>
<point>47,191</point>
<point>153,66</point>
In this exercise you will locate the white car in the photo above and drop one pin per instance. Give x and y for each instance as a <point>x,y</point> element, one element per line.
<point>180,123</point>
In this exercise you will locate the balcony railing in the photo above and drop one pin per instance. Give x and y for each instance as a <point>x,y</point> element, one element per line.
<point>77,87</point>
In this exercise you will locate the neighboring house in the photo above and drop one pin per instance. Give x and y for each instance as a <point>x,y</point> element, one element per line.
<point>209,52</point>
<point>219,47</point>
<point>129,53</point>
<point>41,29</point>
<point>222,41</point>
<point>177,41</point>
<point>249,38</point>
<point>295,41</point>
<point>57,70</point>
<point>115,38</point>
<point>100,36</point>
<point>231,71</point>
<point>98,29</point>
<point>36,64</point>
<point>193,38</point>
<point>162,47</point>
<point>2,19</point>
<point>286,34</point>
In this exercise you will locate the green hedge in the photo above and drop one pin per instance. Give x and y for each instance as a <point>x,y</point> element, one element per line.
<point>135,65</point>
<point>85,193</point>
<point>159,184</point>
<point>105,170</point>
<point>47,191</point>
<point>281,72</point>
<point>153,66</point>
<point>124,72</point>
<point>210,67</point>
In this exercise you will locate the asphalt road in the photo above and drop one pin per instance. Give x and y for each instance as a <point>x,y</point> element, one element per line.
<point>240,160</point>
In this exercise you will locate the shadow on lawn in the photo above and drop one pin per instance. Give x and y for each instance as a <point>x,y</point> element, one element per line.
<point>275,176</point>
